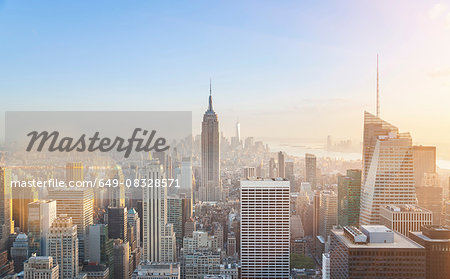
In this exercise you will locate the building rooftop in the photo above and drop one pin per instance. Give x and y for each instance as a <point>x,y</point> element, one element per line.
<point>400,241</point>
<point>405,208</point>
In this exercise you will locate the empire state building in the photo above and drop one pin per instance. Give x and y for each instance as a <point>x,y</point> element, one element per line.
<point>210,187</point>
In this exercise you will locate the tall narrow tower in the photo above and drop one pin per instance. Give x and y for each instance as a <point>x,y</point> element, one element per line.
<point>211,188</point>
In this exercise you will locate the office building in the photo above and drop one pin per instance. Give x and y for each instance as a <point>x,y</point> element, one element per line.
<point>424,162</point>
<point>199,264</point>
<point>20,252</point>
<point>405,218</point>
<point>134,221</point>
<point>121,259</point>
<point>281,165</point>
<point>117,223</point>
<point>41,215</point>
<point>310,169</point>
<point>210,184</point>
<point>63,246</point>
<point>349,198</point>
<point>273,171</point>
<point>175,217</point>
<point>116,194</point>
<point>327,212</point>
<point>390,179</point>
<point>5,207</point>
<point>374,252</point>
<point>158,236</point>
<point>41,267</point>
<point>100,247</point>
<point>249,172</point>
<point>77,203</point>
<point>430,195</point>
<point>436,240</point>
<point>373,128</point>
<point>265,228</point>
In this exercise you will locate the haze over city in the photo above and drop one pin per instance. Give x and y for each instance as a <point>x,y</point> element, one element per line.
<point>287,71</point>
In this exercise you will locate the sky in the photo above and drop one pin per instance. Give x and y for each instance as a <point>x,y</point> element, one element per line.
<point>284,69</point>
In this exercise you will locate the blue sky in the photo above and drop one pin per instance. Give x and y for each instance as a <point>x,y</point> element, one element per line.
<point>288,69</point>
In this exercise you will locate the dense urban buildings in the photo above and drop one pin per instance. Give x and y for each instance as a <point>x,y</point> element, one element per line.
<point>265,235</point>
<point>41,267</point>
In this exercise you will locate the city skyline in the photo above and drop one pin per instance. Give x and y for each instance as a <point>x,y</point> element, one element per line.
<point>326,64</point>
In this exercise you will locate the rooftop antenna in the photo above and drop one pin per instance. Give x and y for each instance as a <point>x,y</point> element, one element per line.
<point>378,90</point>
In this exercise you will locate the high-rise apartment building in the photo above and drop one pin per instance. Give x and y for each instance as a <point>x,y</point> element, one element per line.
<point>374,252</point>
<point>41,267</point>
<point>436,240</point>
<point>310,169</point>
<point>63,246</point>
<point>210,187</point>
<point>405,218</point>
<point>390,179</point>
<point>265,228</point>
<point>349,198</point>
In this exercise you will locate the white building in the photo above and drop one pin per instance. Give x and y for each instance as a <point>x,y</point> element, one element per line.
<point>41,268</point>
<point>390,179</point>
<point>159,238</point>
<point>63,246</point>
<point>265,228</point>
<point>326,270</point>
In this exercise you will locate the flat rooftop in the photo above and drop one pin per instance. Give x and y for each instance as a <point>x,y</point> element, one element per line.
<point>405,208</point>
<point>400,241</point>
<point>429,239</point>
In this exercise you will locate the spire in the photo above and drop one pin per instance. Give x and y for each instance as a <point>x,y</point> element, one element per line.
<point>378,91</point>
<point>210,107</point>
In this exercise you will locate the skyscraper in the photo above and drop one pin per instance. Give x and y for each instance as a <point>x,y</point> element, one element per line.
<point>211,187</point>
<point>373,128</point>
<point>77,203</point>
<point>117,223</point>
<point>424,162</point>
<point>349,195</point>
<point>63,246</point>
<point>101,246</point>
<point>5,207</point>
<point>121,259</point>
<point>328,212</point>
<point>390,179</point>
<point>41,215</point>
<point>310,169</point>
<point>281,165</point>
<point>265,228</point>
<point>158,237</point>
